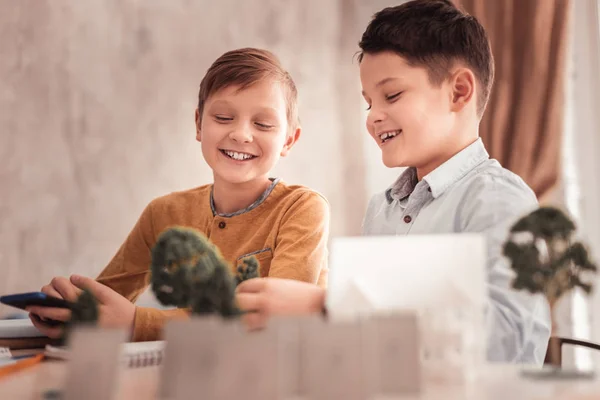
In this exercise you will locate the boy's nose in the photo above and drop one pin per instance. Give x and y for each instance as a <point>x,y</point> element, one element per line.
<point>374,117</point>
<point>241,134</point>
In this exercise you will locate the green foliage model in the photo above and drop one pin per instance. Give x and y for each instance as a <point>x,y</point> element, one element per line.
<point>84,312</point>
<point>547,260</point>
<point>188,271</point>
<point>561,263</point>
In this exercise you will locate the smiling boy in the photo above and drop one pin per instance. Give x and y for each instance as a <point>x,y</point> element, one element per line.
<point>426,71</point>
<point>246,119</point>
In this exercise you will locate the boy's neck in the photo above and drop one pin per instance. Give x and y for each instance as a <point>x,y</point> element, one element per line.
<point>456,147</point>
<point>231,197</point>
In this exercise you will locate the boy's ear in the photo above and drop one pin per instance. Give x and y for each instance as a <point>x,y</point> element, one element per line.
<point>198,122</point>
<point>462,85</point>
<point>290,141</point>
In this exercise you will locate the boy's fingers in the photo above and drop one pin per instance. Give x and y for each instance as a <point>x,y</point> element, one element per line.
<point>253,285</point>
<point>50,291</point>
<point>254,321</point>
<point>66,289</point>
<point>57,314</point>
<point>51,332</point>
<point>100,291</point>
<point>249,302</point>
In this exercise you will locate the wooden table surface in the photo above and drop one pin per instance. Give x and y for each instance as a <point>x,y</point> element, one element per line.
<point>494,383</point>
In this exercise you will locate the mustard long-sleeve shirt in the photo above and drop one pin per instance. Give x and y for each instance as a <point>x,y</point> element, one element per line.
<point>286,229</point>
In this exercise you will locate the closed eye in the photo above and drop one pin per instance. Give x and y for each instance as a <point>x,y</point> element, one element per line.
<point>393,96</point>
<point>263,126</point>
<point>223,119</point>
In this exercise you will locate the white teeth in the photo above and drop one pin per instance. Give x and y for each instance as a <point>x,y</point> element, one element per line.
<point>388,135</point>
<point>238,156</point>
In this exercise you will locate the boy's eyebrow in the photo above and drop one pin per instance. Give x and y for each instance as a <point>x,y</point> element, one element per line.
<point>382,82</point>
<point>221,101</point>
<point>259,108</point>
<point>268,109</point>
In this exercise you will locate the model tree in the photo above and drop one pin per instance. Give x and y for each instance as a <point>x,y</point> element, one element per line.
<point>188,271</point>
<point>84,312</point>
<point>547,260</point>
<point>247,271</point>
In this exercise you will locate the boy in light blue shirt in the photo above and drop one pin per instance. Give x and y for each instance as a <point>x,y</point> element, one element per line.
<point>426,71</point>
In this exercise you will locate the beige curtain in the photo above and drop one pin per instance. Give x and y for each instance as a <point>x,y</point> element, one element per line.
<point>523,124</point>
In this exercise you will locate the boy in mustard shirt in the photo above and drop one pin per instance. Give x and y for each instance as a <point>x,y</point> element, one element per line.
<point>246,120</point>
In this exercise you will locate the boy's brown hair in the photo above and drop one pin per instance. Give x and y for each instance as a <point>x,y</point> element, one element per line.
<point>433,34</point>
<point>245,67</point>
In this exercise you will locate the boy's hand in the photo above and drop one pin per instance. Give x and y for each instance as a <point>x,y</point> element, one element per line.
<point>265,297</point>
<point>62,288</point>
<point>115,311</point>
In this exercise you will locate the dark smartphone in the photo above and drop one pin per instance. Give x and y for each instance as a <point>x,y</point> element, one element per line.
<point>24,300</point>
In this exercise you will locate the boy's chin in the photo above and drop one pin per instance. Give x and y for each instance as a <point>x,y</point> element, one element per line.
<point>394,162</point>
<point>236,180</point>
<point>240,179</point>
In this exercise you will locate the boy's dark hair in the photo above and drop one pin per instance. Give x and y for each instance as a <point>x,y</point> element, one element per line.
<point>433,34</point>
<point>245,67</point>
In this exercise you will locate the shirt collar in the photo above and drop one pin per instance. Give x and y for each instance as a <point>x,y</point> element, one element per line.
<point>404,185</point>
<point>258,202</point>
<point>444,176</point>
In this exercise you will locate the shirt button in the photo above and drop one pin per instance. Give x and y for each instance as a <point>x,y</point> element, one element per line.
<point>222,224</point>
<point>407,219</point>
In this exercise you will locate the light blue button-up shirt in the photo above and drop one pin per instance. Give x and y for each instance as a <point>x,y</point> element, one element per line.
<point>473,193</point>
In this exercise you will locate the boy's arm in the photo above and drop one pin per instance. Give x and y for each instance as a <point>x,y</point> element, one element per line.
<point>301,245</point>
<point>128,271</point>
<point>518,323</point>
<point>128,274</point>
<point>149,322</point>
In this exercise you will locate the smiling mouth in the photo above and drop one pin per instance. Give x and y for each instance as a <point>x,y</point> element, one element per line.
<point>238,156</point>
<point>389,135</point>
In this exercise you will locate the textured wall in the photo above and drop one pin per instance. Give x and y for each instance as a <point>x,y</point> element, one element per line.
<point>96,116</point>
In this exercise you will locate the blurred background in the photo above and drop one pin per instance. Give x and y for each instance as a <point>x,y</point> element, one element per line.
<point>97,100</point>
